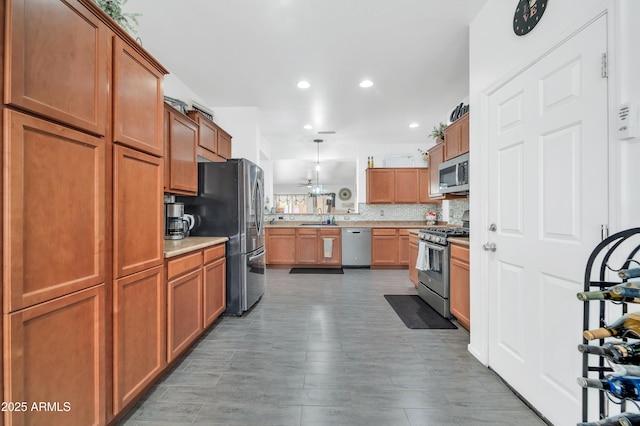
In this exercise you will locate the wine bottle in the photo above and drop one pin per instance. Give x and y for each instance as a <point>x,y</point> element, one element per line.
<point>616,352</point>
<point>629,288</point>
<point>607,294</point>
<point>626,370</point>
<point>626,324</point>
<point>629,419</point>
<point>629,273</point>
<point>623,387</point>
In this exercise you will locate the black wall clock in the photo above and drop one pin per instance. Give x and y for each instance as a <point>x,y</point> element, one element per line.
<point>528,14</point>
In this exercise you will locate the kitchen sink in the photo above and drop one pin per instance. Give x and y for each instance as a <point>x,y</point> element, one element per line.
<point>318,224</point>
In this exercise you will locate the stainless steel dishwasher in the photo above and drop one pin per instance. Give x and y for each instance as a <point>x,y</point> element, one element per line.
<point>356,247</point>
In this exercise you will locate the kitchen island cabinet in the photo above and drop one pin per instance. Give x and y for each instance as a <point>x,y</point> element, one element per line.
<point>459,283</point>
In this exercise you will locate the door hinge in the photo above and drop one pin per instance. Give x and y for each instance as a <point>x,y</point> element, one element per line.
<point>604,232</point>
<point>604,66</point>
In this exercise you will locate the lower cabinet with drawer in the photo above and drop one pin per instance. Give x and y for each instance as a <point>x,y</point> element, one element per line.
<point>389,248</point>
<point>184,303</point>
<point>196,296</point>
<point>459,284</point>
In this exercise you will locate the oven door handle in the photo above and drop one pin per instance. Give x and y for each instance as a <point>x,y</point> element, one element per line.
<point>434,247</point>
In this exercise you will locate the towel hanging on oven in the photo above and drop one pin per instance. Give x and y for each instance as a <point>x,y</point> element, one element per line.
<point>422,262</point>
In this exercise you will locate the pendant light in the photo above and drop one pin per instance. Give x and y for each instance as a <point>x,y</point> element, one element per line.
<point>317,188</point>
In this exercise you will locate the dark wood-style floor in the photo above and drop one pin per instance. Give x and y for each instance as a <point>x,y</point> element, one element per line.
<point>329,350</point>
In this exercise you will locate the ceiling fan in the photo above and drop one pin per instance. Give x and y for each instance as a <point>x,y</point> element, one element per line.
<point>309,183</point>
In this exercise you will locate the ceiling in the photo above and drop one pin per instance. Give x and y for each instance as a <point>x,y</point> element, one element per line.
<point>253,52</point>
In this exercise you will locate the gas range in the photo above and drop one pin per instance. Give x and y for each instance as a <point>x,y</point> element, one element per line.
<point>440,235</point>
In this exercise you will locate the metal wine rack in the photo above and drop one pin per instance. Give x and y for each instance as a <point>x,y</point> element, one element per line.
<point>622,247</point>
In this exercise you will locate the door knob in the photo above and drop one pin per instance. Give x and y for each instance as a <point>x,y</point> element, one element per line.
<point>493,227</point>
<point>489,247</point>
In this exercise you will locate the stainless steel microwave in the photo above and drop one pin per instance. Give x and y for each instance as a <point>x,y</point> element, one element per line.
<point>454,174</point>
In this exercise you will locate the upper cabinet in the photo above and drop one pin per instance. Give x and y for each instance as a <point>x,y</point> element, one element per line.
<point>137,121</point>
<point>456,138</point>
<point>57,62</point>
<point>406,185</point>
<point>180,163</point>
<point>214,143</point>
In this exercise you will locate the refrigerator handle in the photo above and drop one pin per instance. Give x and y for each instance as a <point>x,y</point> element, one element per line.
<point>260,253</point>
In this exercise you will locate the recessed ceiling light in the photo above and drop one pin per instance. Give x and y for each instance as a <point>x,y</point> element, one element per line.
<point>414,125</point>
<point>304,84</point>
<point>366,83</point>
<point>308,126</point>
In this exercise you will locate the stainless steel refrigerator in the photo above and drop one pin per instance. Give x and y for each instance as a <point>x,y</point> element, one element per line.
<point>230,203</point>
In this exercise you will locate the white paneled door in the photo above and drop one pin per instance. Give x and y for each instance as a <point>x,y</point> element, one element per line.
<point>548,197</point>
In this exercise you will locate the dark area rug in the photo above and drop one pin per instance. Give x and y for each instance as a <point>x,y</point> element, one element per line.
<point>316,271</point>
<point>415,313</point>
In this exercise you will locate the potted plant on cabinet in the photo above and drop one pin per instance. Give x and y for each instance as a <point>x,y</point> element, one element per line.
<point>438,132</point>
<point>113,8</point>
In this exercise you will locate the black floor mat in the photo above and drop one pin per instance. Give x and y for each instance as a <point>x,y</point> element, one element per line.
<point>415,313</point>
<point>316,271</point>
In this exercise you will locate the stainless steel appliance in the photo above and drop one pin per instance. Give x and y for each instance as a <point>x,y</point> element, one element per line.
<point>356,247</point>
<point>230,203</point>
<point>454,174</point>
<point>176,226</point>
<point>433,281</point>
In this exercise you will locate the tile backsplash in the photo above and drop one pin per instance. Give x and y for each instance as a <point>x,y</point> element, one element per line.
<point>382,212</point>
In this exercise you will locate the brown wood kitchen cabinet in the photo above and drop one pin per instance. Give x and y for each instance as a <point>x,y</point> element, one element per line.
<point>389,247</point>
<point>403,246</point>
<point>138,211</point>
<point>224,144</point>
<point>404,185</point>
<point>184,302</point>
<point>281,246</point>
<point>413,257</point>
<point>380,186</point>
<point>137,100</point>
<point>55,352</point>
<point>181,163</point>
<point>335,234</point>
<point>436,157</point>
<point>42,158</point>
<point>459,284</point>
<point>68,63</point>
<point>456,138</point>
<point>214,288</point>
<point>307,246</point>
<point>58,67</point>
<point>139,333</point>
<point>207,136</point>
<point>384,247</point>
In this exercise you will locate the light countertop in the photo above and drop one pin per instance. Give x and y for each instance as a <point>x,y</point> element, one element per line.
<point>417,224</point>
<point>459,240</point>
<point>177,247</point>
